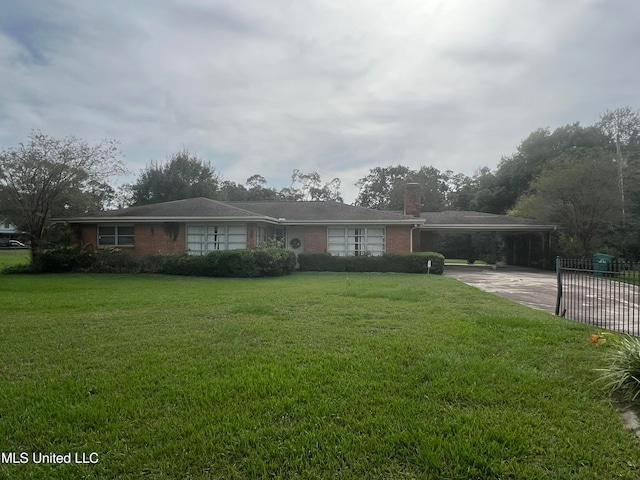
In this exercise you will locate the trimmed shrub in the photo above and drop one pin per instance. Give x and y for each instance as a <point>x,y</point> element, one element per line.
<point>234,263</point>
<point>264,261</point>
<point>315,262</point>
<point>389,262</point>
<point>269,262</point>
<point>274,262</point>
<point>184,264</point>
<point>64,259</point>
<point>322,262</point>
<point>153,263</point>
<point>113,260</point>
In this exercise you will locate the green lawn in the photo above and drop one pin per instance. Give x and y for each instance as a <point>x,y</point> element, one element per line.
<point>629,276</point>
<point>13,257</point>
<point>462,261</point>
<point>307,376</point>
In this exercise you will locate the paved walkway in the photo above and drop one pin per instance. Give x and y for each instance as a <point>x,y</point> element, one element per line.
<point>530,287</point>
<point>594,300</point>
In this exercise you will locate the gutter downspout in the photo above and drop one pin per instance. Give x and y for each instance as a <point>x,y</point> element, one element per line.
<point>411,237</point>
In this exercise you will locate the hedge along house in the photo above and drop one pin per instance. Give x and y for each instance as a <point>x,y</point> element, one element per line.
<point>202,225</point>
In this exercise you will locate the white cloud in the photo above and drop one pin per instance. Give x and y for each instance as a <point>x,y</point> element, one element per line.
<point>337,87</point>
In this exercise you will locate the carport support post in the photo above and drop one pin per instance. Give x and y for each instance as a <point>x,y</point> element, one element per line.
<point>559,298</point>
<point>494,247</point>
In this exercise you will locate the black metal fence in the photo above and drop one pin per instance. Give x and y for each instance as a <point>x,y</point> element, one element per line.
<point>601,291</point>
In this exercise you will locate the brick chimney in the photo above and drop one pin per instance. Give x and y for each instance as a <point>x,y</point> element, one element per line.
<point>412,200</point>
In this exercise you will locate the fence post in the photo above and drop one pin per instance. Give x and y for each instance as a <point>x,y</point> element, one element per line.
<point>559,297</point>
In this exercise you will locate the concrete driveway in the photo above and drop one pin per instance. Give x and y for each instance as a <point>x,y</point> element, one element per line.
<point>530,287</point>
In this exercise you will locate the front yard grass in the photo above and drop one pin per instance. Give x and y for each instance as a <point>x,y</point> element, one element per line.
<point>308,376</point>
<point>462,261</point>
<point>629,276</point>
<point>14,257</point>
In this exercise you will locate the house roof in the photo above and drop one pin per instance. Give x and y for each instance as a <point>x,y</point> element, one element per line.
<point>308,213</point>
<point>178,210</point>
<point>7,228</point>
<point>321,212</point>
<point>478,221</point>
<point>285,213</point>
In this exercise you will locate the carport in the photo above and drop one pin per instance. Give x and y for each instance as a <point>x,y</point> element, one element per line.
<point>526,241</point>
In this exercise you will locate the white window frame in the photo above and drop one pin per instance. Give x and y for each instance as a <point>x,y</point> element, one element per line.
<point>280,236</point>
<point>205,238</point>
<point>261,235</point>
<point>356,240</point>
<point>120,240</point>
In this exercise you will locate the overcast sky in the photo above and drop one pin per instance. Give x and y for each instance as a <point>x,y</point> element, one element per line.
<point>333,86</point>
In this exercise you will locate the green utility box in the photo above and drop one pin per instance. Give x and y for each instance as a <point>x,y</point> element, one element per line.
<point>602,264</point>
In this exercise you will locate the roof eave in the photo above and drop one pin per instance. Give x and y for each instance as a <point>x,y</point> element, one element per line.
<point>490,227</point>
<point>180,219</point>
<point>354,221</point>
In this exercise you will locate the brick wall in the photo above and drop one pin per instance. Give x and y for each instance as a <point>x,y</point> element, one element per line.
<point>398,239</point>
<point>315,239</point>
<point>417,241</point>
<point>171,238</point>
<point>412,200</point>
<point>159,238</point>
<point>88,235</point>
<point>252,235</point>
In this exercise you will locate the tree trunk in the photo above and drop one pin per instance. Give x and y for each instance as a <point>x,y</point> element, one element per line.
<point>35,249</point>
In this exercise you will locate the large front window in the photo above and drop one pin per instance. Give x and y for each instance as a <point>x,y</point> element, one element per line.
<point>355,241</point>
<point>202,239</point>
<point>118,236</point>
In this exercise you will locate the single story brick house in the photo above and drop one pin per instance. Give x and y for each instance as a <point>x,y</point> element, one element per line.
<point>202,225</point>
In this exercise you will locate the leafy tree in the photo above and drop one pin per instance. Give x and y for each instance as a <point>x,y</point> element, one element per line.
<point>578,191</point>
<point>183,175</point>
<point>257,189</point>
<point>51,177</point>
<point>434,188</point>
<point>329,192</point>
<point>516,172</point>
<point>622,128</point>
<point>309,187</point>
<point>460,190</point>
<point>384,188</point>
<point>256,181</point>
<point>377,187</point>
<point>122,197</point>
<point>232,191</point>
<point>489,195</point>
